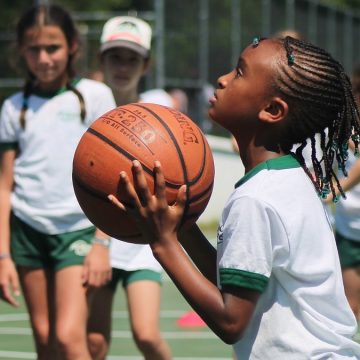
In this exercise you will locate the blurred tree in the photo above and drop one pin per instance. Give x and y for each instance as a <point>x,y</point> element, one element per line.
<point>11,9</point>
<point>352,4</point>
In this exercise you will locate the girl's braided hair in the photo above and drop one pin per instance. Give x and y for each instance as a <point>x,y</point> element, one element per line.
<point>320,98</point>
<point>42,15</point>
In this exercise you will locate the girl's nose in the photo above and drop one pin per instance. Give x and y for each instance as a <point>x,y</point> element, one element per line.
<point>221,82</point>
<point>43,56</point>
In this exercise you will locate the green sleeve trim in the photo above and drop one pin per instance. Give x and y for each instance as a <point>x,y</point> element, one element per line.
<point>8,146</point>
<point>241,278</point>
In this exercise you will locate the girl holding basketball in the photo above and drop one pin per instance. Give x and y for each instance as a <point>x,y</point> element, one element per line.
<point>273,288</point>
<point>43,232</point>
<point>124,55</point>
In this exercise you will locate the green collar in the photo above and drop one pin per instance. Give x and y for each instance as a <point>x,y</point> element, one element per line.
<point>279,163</point>
<point>50,94</point>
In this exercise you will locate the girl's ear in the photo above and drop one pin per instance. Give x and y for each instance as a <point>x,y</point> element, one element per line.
<point>74,48</point>
<point>146,66</point>
<point>276,110</point>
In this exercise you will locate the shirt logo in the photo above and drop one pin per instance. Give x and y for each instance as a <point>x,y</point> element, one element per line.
<point>80,247</point>
<point>220,234</point>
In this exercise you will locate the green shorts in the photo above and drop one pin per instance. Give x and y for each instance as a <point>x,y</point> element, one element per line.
<point>127,277</point>
<point>349,251</point>
<point>34,249</point>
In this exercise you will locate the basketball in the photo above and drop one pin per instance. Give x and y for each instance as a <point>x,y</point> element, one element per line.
<point>146,132</point>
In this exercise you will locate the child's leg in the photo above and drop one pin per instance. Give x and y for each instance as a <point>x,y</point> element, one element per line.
<point>99,323</point>
<point>349,254</point>
<point>71,313</point>
<point>36,285</point>
<point>351,277</point>
<point>144,309</point>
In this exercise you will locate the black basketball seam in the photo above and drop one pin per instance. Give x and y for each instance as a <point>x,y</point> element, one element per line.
<point>98,195</point>
<point>204,142</point>
<point>182,162</point>
<point>204,158</point>
<point>127,155</point>
<point>188,182</point>
<point>196,178</point>
<point>181,158</point>
<point>200,195</point>
<point>88,189</point>
<point>173,138</point>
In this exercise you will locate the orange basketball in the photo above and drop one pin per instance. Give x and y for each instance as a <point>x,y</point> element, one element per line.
<point>146,132</point>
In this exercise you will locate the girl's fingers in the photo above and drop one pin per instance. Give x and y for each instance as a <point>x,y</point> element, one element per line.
<point>116,202</point>
<point>140,183</point>
<point>159,179</point>
<point>139,196</point>
<point>181,197</point>
<point>85,275</point>
<point>127,194</point>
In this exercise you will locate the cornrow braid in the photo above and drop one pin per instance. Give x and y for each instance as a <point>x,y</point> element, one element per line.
<point>72,88</point>
<point>71,72</point>
<point>320,98</point>
<point>26,94</point>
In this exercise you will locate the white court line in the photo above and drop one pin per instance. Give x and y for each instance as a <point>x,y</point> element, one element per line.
<point>166,314</point>
<point>17,355</point>
<point>14,317</point>
<point>26,355</point>
<point>118,334</point>
<point>169,314</point>
<point>31,355</point>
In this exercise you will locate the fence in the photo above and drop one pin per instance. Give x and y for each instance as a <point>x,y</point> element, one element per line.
<point>197,40</point>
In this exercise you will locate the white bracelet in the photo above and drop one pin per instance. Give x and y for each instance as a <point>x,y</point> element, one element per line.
<point>102,242</point>
<point>5,256</point>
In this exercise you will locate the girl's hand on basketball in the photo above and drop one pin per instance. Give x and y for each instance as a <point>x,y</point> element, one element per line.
<point>154,216</point>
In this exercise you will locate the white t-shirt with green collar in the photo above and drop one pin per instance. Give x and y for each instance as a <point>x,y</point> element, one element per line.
<point>274,237</point>
<point>43,196</point>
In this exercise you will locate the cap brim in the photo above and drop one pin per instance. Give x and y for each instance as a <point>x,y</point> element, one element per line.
<point>124,44</point>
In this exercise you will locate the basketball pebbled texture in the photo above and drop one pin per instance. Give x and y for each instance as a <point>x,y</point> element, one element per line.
<point>146,132</point>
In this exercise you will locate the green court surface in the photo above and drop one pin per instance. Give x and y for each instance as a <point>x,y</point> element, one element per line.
<point>186,344</point>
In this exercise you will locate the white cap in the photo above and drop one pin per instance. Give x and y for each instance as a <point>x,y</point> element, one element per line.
<point>126,31</point>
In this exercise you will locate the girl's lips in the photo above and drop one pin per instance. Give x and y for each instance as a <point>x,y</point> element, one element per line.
<point>213,99</point>
<point>122,77</point>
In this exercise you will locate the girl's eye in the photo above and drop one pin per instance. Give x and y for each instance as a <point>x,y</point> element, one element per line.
<point>52,49</point>
<point>238,72</point>
<point>33,49</point>
<point>135,60</point>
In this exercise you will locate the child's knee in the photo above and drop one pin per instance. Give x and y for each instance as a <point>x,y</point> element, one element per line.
<point>98,345</point>
<point>147,341</point>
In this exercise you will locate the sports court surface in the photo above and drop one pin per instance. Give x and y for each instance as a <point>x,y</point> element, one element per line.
<point>192,343</point>
<point>186,343</point>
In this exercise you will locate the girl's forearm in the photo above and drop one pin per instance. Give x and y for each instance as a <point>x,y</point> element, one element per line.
<point>200,250</point>
<point>353,177</point>
<point>201,293</point>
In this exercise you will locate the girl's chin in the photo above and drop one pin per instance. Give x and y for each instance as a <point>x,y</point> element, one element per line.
<point>212,113</point>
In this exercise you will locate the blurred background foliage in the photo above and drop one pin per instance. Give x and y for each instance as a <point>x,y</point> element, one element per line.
<point>198,40</point>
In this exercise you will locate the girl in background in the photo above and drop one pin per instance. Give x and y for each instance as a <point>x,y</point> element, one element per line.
<point>125,58</point>
<point>44,235</point>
